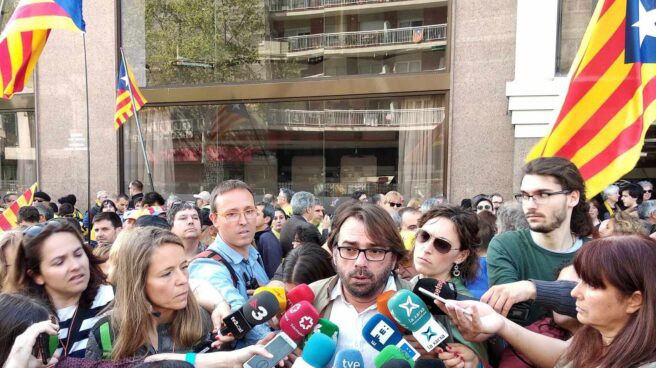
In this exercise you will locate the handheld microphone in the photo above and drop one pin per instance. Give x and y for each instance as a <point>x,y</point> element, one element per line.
<point>348,358</point>
<point>257,310</point>
<point>279,293</point>
<point>381,306</point>
<point>297,322</point>
<point>392,352</point>
<point>380,332</point>
<point>298,293</point>
<point>429,363</point>
<point>411,312</point>
<point>396,363</point>
<point>325,327</point>
<point>317,352</point>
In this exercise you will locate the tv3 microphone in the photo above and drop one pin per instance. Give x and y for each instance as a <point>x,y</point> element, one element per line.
<point>258,309</point>
<point>381,332</point>
<point>411,312</point>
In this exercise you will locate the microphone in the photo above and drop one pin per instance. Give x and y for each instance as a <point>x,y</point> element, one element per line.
<point>411,312</point>
<point>324,326</point>
<point>317,352</point>
<point>396,363</point>
<point>257,310</point>
<point>429,363</point>
<point>279,293</point>
<point>381,306</point>
<point>381,332</point>
<point>298,293</point>
<point>299,320</point>
<point>348,358</point>
<point>392,352</point>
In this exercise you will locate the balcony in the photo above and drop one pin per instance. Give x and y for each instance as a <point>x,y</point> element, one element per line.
<point>398,119</point>
<point>305,5</point>
<point>364,39</point>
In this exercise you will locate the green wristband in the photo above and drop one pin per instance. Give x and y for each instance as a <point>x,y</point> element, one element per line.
<point>191,358</point>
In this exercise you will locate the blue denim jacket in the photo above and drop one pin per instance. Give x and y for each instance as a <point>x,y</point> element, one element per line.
<point>219,276</point>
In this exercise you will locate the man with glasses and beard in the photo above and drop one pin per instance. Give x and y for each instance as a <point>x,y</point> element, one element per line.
<point>365,248</point>
<point>552,195</point>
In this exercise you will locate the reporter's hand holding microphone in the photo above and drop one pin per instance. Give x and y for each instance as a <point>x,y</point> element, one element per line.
<point>30,349</point>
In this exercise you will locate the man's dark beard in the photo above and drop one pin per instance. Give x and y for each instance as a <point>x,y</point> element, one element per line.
<point>376,286</point>
<point>550,226</point>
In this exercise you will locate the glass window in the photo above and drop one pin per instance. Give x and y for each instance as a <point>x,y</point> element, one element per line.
<point>17,151</point>
<point>189,42</point>
<point>330,148</point>
<point>573,18</point>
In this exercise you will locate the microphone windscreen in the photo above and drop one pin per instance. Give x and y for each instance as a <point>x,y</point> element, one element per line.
<point>381,303</point>
<point>409,310</point>
<point>348,358</point>
<point>396,363</point>
<point>298,293</point>
<point>299,320</point>
<point>278,291</point>
<point>261,308</point>
<point>319,350</point>
<point>324,326</point>
<point>391,352</point>
<point>429,363</point>
<point>380,331</point>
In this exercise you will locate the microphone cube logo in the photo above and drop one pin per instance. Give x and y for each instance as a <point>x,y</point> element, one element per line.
<point>408,350</point>
<point>382,332</point>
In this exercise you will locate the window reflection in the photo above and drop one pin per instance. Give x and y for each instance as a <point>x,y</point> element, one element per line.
<point>17,151</point>
<point>331,148</point>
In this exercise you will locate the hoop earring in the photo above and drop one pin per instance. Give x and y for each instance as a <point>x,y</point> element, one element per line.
<point>456,270</point>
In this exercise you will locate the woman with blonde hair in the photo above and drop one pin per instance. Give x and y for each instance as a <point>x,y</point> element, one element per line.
<point>9,241</point>
<point>154,310</point>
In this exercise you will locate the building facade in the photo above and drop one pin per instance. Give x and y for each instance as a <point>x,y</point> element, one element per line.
<point>427,97</point>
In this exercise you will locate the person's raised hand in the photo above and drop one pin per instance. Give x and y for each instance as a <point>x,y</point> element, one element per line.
<point>459,355</point>
<point>503,297</point>
<point>21,352</point>
<point>476,321</point>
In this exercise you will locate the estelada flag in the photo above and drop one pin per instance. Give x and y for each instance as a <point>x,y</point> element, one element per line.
<point>25,36</point>
<point>9,217</point>
<point>609,104</point>
<point>126,91</point>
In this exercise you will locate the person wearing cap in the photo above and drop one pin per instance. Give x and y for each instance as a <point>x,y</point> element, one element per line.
<point>202,199</point>
<point>42,197</point>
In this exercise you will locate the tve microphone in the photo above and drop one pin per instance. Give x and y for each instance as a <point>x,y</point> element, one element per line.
<point>411,312</point>
<point>299,320</point>
<point>298,293</point>
<point>257,310</point>
<point>380,332</point>
<point>317,352</point>
<point>278,291</point>
<point>391,353</point>
<point>325,327</point>
<point>348,358</point>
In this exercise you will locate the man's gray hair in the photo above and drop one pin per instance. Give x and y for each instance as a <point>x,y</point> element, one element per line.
<point>646,184</point>
<point>611,189</point>
<point>301,201</point>
<point>510,217</point>
<point>647,208</point>
<point>45,211</point>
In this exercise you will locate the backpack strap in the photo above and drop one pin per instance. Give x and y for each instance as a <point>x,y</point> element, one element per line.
<point>217,257</point>
<point>106,340</point>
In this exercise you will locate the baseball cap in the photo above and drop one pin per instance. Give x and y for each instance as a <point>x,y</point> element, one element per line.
<point>204,195</point>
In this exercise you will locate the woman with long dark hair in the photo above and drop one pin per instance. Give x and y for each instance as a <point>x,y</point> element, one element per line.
<point>615,302</point>
<point>54,266</point>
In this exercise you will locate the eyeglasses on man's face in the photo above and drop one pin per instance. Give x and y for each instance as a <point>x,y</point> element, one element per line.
<point>234,216</point>
<point>371,254</point>
<point>539,197</point>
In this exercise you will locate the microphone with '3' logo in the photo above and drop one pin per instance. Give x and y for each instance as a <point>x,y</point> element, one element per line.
<point>258,309</point>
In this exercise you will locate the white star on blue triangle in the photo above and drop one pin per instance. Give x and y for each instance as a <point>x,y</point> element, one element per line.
<point>641,31</point>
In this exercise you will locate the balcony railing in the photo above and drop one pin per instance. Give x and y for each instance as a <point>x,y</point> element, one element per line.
<point>356,118</point>
<point>344,40</point>
<point>291,5</point>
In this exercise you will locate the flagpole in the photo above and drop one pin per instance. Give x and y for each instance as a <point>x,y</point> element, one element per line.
<point>136,118</point>
<point>86,89</point>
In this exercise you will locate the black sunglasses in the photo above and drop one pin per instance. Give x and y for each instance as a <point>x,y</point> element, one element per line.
<point>440,245</point>
<point>484,207</point>
<point>394,204</point>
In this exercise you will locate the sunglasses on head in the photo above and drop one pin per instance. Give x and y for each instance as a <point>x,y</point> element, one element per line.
<point>394,204</point>
<point>483,207</point>
<point>441,245</point>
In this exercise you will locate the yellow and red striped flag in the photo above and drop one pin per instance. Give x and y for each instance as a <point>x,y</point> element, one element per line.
<point>10,215</point>
<point>125,86</point>
<point>25,36</point>
<point>609,104</point>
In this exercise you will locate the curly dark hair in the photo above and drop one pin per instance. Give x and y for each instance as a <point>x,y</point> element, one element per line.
<point>466,224</point>
<point>28,259</point>
<point>569,177</point>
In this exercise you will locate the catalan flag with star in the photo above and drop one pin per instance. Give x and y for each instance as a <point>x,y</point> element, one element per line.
<point>126,92</point>
<point>9,217</point>
<point>25,36</point>
<point>610,101</point>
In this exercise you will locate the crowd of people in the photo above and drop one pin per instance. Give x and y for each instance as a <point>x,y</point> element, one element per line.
<point>550,279</point>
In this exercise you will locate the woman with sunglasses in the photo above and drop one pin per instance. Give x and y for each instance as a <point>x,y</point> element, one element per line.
<point>445,250</point>
<point>53,265</point>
